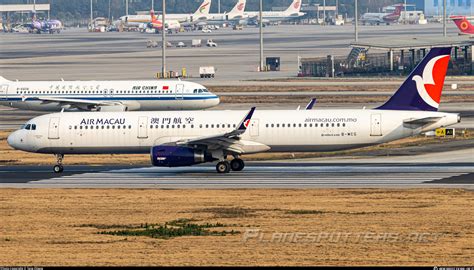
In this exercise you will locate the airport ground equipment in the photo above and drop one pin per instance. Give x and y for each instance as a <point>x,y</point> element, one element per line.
<point>273,63</point>
<point>207,72</point>
<point>196,43</point>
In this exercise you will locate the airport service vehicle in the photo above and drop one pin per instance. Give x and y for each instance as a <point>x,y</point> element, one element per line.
<point>211,43</point>
<point>46,26</point>
<point>206,30</point>
<point>207,72</point>
<point>235,16</point>
<point>181,45</point>
<point>390,15</point>
<point>464,25</point>
<point>176,139</point>
<point>105,95</point>
<point>292,12</point>
<point>196,43</point>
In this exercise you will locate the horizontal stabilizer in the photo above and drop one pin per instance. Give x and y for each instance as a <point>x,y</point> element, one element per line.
<point>422,121</point>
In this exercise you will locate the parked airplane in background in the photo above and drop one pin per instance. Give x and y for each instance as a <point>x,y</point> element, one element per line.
<point>105,95</point>
<point>200,15</point>
<point>292,12</point>
<point>391,15</point>
<point>47,26</point>
<point>183,138</point>
<point>464,25</point>
<point>235,16</point>
<point>158,24</point>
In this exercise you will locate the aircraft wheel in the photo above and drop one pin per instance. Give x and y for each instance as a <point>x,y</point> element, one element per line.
<point>237,164</point>
<point>223,167</point>
<point>58,169</point>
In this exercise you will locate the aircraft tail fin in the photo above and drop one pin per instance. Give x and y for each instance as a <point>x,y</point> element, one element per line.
<point>463,24</point>
<point>239,8</point>
<point>421,91</point>
<point>295,7</point>
<point>203,9</point>
<point>398,10</point>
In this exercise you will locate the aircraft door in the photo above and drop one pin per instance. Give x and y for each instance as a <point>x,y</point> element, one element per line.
<point>53,131</point>
<point>179,91</point>
<point>3,91</point>
<point>376,125</point>
<point>254,128</point>
<point>143,127</point>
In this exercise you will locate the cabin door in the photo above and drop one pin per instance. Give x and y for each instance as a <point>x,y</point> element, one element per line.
<point>376,125</point>
<point>53,132</point>
<point>179,91</point>
<point>143,127</point>
<point>3,91</point>
<point>254,132</point>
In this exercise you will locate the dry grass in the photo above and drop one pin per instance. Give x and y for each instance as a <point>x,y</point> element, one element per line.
<point>46,226</point>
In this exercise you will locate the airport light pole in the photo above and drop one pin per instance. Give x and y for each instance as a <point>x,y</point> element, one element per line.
<point>92,14</point>
<point>444,18</point>
<point>163,38</point>
<point>126,7</point>
<point>261,34</point>
<point>356,21</point>
<point>324,12</point>
<point>219,6</point>
<point>153,5</point>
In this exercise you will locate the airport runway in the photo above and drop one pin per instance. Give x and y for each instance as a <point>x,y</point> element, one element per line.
<point>255,175</point>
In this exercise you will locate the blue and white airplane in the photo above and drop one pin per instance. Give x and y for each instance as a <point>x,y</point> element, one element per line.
<point>187,138</point>
<point>105,95</point>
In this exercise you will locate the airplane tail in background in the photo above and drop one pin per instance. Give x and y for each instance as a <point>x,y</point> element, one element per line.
<point>463,24</point>
<point>398,10</point>
<point>239,8</point>
<point>295,7</point>
<point>203,9</point>
<point>421,91</point>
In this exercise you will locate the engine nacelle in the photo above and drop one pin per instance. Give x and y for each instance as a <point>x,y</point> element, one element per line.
<point>177,156</point>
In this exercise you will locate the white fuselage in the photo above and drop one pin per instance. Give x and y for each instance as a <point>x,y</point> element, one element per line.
<point>273,130</point>
<point>274,16</point>
<point>119,95</point>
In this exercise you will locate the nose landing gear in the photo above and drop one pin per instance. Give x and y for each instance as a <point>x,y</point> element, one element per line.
<point>58,168</point>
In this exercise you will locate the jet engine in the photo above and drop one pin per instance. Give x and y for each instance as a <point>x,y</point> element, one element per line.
<point>177,156</point>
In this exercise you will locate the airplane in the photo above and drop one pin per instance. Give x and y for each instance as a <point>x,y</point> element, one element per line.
<point>105,95</point>
<point>391,15</point>
<point>200,15</point>
<point>464,25</point>
<point>158,24</point>
<point>292,12</point>
<point>175,139</point>
<point>48,26</point>
<point>236,15</point>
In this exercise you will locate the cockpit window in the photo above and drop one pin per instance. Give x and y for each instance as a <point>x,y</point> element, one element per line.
<point>33,127</point>
<point>28,127</point>
<point>205,90</point>
<point>195,91</point>
<point>200,91</point>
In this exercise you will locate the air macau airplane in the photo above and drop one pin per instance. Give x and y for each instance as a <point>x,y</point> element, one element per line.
<point>187,138</point>
<point>111,96</point>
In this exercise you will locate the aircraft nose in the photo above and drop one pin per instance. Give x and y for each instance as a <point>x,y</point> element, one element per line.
<point>15,140</point>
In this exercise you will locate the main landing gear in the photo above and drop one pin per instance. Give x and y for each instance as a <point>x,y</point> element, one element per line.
<point>58,168</point>
<point>236,164</point>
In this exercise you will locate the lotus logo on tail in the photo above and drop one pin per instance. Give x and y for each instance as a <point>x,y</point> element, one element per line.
<point>464,25</point>
<point>430,85</point>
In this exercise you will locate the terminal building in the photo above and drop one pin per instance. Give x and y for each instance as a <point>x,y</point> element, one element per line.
<point>453,7</point>
<point>379,57</point>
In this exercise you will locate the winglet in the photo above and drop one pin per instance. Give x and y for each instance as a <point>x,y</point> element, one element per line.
<point>311,104</point>
<point>246,121</point>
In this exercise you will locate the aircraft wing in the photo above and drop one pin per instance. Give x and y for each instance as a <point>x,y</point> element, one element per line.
<point>80,103</point>
<point>229,141</point>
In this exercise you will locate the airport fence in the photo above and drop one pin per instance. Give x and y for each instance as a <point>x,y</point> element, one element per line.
<point>378,64</point>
